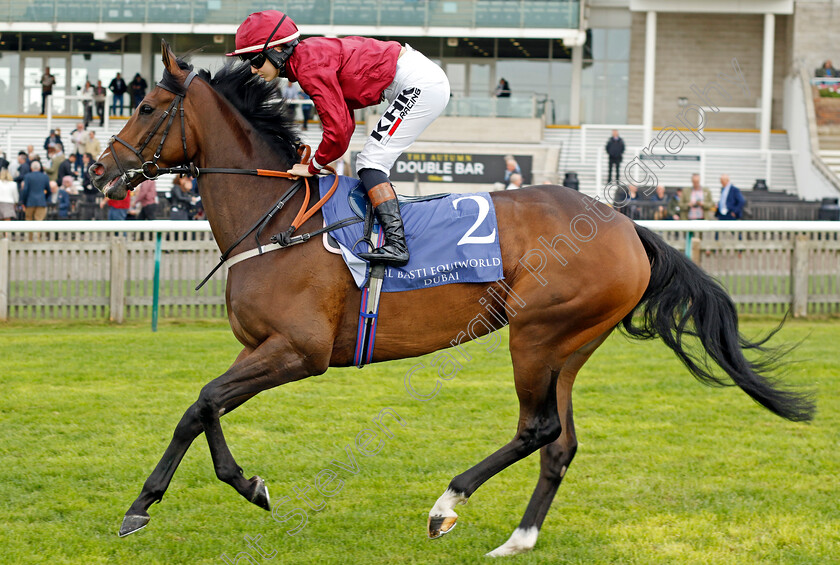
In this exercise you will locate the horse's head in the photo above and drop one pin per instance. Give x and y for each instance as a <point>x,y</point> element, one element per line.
<point>155,137</point>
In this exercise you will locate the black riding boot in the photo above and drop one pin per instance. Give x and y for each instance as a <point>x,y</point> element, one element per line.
<point>394,251</point>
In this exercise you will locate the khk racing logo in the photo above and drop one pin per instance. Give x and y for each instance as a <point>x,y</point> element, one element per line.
<point>393,117</point>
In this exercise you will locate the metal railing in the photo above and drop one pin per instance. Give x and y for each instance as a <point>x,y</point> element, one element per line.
<point>409,13</point>
<point>494,107</point>
<point>831,84</point>
<point>702,154</point>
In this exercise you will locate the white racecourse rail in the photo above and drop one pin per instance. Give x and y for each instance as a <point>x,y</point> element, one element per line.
<point>96,269</point>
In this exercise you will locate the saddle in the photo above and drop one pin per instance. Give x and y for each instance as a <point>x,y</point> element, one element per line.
<point>361,205</point>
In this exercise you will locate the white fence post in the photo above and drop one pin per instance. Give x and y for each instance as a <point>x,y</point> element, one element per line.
<point>799,275</point>
<point>119,274</point>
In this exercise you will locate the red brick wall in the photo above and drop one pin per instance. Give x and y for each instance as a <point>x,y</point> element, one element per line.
<point>827,110</point>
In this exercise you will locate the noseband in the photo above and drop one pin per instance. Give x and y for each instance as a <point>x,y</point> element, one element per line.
<point>150,169</point>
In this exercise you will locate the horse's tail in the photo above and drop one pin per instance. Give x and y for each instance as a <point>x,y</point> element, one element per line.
<point>682,300</point>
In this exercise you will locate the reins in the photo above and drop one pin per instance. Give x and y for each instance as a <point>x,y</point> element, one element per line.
<point>151,171</point>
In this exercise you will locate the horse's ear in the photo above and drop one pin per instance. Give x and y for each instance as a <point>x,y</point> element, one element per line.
<point>168,57</point>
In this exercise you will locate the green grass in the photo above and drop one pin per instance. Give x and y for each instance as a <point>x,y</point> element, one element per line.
<point>668,471</point>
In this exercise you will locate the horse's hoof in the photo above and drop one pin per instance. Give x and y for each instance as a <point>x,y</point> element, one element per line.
<point>440,525</point>
<point>132,523</point>
<point>260,496</point>
<point>520,542</point>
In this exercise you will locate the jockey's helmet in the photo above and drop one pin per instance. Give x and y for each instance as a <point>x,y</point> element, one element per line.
<point>255,34</point>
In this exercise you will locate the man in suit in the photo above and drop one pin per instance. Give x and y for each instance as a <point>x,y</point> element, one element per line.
<point>36,191</point>
<point>23,168</point>
<point>615,151</point>
<point>731,204</point>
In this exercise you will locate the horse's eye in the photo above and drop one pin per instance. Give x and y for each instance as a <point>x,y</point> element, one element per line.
<point>146,109</point>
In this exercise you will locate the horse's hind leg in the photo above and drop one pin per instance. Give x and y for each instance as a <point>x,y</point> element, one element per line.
<point>555,459</point>
<point>539,424</point>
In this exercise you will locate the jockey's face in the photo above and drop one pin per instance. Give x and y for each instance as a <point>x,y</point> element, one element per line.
<point>267,72</point>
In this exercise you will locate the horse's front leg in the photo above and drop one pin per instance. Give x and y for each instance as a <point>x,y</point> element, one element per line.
<point>155,486</point>
<point>273,363</point>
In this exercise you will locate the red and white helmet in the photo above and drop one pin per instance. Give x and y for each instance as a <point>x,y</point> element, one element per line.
<point>252,35</point>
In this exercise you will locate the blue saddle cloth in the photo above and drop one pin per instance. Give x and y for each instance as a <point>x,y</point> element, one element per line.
<point>451,239</point>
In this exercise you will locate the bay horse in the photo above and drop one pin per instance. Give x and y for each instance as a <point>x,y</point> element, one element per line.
<point>573,271</point>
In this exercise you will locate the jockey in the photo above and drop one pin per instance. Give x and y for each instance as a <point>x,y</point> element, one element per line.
<point>342,75</point>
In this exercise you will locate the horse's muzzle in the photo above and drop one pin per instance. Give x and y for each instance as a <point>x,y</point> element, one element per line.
<point>111,185</point>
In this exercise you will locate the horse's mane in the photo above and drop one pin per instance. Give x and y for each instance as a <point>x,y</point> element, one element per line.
<point>259,102</point>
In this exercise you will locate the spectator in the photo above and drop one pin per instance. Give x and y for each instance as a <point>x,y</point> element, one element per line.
<point>8,196</point>
<point>119,88</point>
<point>67,168</point>
<point>47,82</point>
<point>87,186</point>
<point>36,191</point>
<point>673,207</point>
<point>79,138</point>
<point>827,70</point>
<point>503,89</point>
<point>291,92</point>
<point>138,90</point>
<point>615,151</point>
<point>181,199</point>
<point>99,96</point>
<point>87,208</point>
<point>52,139</point>
<point>661,199</point>
<point>515,182</point>
<point>630,206</point>
<point>696,202</point>
<point>92,145</point>
<point>23,168</point>
<point>306,109</point>
<point>61,200</point>
<point>144,204</point>
<point>68,183</point>
<point>117,209</point>
<point>87,102</point>
<point>732,202</point>
<point>4,163</point>
<point>56,157</point>
<point>511,167</point>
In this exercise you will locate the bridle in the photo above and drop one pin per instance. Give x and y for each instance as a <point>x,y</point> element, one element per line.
<point>150,169</point>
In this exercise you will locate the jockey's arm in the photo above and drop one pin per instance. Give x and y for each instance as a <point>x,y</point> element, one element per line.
<point>337,118</point>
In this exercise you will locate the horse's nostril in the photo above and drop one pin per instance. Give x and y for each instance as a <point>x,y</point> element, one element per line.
<point>97,169</point>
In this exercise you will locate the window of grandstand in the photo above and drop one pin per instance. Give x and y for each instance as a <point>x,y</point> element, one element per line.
<point>606,71</point>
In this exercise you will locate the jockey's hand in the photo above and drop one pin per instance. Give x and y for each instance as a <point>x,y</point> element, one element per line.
<point>299,170</point>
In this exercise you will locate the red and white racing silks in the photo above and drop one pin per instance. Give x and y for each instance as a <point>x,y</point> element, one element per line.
<point>342,75</point>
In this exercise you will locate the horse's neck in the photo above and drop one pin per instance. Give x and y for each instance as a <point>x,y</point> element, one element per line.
<point>233,203</point>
